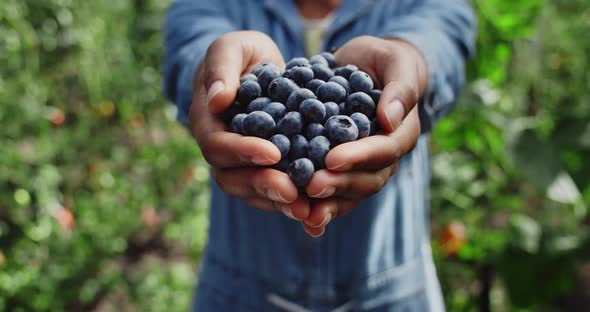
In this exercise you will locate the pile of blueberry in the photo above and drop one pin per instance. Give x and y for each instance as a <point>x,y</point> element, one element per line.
<point>305,111</point>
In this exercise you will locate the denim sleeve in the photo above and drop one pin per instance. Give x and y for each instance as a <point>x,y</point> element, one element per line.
<point>190,27</point>
<point>444,31</point>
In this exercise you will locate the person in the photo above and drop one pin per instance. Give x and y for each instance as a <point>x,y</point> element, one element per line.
<point>375,255</point>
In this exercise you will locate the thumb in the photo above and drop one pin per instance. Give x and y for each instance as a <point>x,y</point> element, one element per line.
<point>223,66</point>
<point>397,100</point>
<point>228,57</point>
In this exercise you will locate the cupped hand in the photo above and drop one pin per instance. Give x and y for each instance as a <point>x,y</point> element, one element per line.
<point>358,169</point>
<point>237,161</point>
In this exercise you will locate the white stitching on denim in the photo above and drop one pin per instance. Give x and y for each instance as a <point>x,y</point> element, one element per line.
<point>344,308</point>
<point>293,307</point>
<point>285,304</point>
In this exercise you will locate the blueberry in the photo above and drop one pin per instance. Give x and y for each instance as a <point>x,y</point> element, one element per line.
<point>329,58</point>
<point>361,82</point>
<point>280,89</point>
<point>343,82</point>
<point>375,95</point>
<point>276,110</point>
<point>360,102</point>
<point>298,96</point>
<point>322,72</point>
<point>235,108</point>
<point>266,75</point>
<point>342,108</point>
<point>237,123</point>
<point>299,147</point>
<point>258,68</point>
<point>313,130</point>
<point>314,84</point>
<point>331,92</point>
<point>247,77</point>
<point>297,61</point>
<point>345,71</point>
<point>282,143</point>
<point>301,74</point>
<point>291,124</point>
<point>341,129</point>
<point>300,171</point>
<point>282,165</point>
<point>312,110</point>
<point>287,74</point>
<point>318,59</point>
<point>258,104</point>
<point>259,124</point>
<point>248,91</point>
<point>374,126</point>
<point>318,149</point>
<point>362,123</point>
<point>332,109</point>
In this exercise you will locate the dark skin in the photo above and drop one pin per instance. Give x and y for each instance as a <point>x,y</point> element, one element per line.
<point>355,170</point>
<point>313,9</point>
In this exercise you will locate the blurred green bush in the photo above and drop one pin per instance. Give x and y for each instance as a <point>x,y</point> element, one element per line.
<point>103,196</point>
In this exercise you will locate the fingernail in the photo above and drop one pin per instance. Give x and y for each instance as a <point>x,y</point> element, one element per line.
<point>214,89</point>
<point>326,220</point>
<point>326,192</point>
<point>341,167</point>
<point>262,160</point>
<point>287,212</point>
<point>276,196</point>
<point>318,235</point>
<point>394,113</point>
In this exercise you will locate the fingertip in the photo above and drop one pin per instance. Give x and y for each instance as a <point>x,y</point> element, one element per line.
<point>263,152</point>
<point>314,232</point>
<point>300,208</point>
<point>321,214</point>
<point>391,115</point>
<point>320,186</point>
<point>338,159</point>
<point>220,95</point>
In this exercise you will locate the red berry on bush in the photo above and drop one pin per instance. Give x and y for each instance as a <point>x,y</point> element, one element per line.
<point>57,118</point>
<point>453,237</point>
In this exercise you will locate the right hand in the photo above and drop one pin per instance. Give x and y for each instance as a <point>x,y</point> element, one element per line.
<point>236,159</point>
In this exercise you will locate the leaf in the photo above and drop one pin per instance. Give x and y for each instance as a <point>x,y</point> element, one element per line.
<point>527,233</point>
<point>563,189</point>
<point>572,132</point>
<point>537,159</point>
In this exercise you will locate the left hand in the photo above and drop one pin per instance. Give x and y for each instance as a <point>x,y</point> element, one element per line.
<point>361,168</point>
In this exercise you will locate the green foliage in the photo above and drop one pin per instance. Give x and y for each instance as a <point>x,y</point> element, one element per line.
<point>103,195</point>
<point>509,162</point>
<point>85,205</point>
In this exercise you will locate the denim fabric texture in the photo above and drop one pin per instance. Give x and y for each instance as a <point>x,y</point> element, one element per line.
<point>376,258</point>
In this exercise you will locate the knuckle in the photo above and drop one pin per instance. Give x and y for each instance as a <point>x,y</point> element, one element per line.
<point>365,38</point>
<point>211,72</point>
<point>395,151</point>
<point>387,53</point>
<point>381,179</point>
<point>220,41</point>
<point>205,150</point>
<point>219,179</point>
<point>260,180</point>
<point>344,207</point>
<point>412,94</point>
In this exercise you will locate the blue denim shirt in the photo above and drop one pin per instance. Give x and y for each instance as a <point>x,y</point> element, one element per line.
<point>375,258</point>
